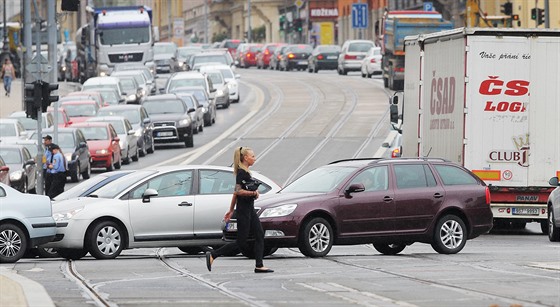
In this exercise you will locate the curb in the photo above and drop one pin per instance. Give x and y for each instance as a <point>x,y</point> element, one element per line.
<point>21,291</point>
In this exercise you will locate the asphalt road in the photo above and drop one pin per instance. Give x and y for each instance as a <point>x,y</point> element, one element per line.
<point>296,121</point>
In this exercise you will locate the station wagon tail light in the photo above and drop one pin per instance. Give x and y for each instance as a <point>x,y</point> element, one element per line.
<point>488,196</point>
<point>266,51</point>
<point>291,56</point>
<point>320,57</point>
<point>350,57</point>
<point>399,69</point>
<point>278,211</point>
<point>396,153</point>
<point>373,61</point>
<point>248,55</point>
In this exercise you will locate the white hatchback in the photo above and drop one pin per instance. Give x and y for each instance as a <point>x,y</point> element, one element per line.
<point>371,64</point>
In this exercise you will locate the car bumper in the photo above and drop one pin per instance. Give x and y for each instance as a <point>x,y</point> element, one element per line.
<point>297,63</point>
<point>222,100</point>
<point>352,65</point>
<point>279,232</point>
<point>43,230</point>
<point>171,134</point>
<point>101,160</point>
<point>69,234</point>
<point>326,64</point>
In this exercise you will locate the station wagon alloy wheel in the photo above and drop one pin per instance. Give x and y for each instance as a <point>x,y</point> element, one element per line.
<point>449,235</point>
<point>317,238</point>
<point>106,240</point>
<point>12,243</point>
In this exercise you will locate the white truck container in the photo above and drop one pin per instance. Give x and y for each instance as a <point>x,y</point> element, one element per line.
<point>488,99</point>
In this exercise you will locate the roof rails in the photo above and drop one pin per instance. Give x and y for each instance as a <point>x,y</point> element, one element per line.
<point>390,159</point>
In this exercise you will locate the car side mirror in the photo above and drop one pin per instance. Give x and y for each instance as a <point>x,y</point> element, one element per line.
<point>131,132</point>
<point>117,139</point>
<point>237,76</point>
<point>82,145</point>
<point>4,169</point>
<point>553,181</point>
<point>29,162</point>
<point>162,90</point>
<point>148,194</point>
<point>146,121</point>
<point>355,188</point>
<point>212,90</point>
<point>191,110</point>
<point>122,100</point>
<point>394,112</point>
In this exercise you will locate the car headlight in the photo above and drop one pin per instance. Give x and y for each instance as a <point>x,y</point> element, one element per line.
<point>102,152</point>
<point>138,133</point>
<point>68,156</point>
<point>59,217</point>
<point>219,93</point>
<point>16,176</point>
<point>184,122</point>
<point>131,97</point>
<point>181,64</point>
<point>279,211</point>
<point>204,109</point>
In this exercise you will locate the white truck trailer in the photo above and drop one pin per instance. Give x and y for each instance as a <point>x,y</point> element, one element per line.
<point>488,99</point>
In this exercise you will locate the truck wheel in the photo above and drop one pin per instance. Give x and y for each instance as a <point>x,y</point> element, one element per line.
<point>13,243</point>
<point>316,238</point>
<point>450,235</point>
<point>544,227</point>
<point>553,231</point>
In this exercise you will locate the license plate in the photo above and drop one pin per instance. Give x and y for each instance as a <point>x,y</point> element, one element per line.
<point>332,57</point>
<point>231,226</point>
<point>166,133</point>
<point>302,63</point>
<point>525,211</point>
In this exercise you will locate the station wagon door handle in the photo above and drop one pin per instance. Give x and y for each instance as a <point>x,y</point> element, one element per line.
<point>185,204</point>
<point>438,195</point>
<point>387,199</point>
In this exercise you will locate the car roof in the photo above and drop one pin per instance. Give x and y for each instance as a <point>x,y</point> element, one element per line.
<point>104,118</point>
<point>9,120</point>
<point>358,162</point>
<point>187,75</point>
<point>162,97</point>
<point>101,80</point>
<point>91,124</point>
<point>79,102</point>
<point>122,107</point>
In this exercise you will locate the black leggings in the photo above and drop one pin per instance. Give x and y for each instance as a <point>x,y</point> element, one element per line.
<point>247,222</point>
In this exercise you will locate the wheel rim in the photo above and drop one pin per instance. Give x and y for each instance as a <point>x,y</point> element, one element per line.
<point>451,234</point>
<point>10,243</point>
<point>108,240</point>
<point>319,237</point>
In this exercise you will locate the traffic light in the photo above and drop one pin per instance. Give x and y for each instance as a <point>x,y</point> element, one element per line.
<point>507,8</point>
<point>534,13</point>
<point>46,95</point>
<point>540,16</point>
<point>298,24</point>
<point>282,22</point>
<point>70,5</point>
<point>33,97</point>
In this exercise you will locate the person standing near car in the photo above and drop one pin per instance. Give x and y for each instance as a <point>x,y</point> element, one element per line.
<point>57,170</point>
<point>47,157</point>
<point>247,220</point>
<point>8,74</point>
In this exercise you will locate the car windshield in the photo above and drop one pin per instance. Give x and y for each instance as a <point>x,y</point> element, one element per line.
<point>321,180</point>
<point>328,49</point>
<point>95,86</point>
<point>30,123</point>
<point>10,155</point>
<point>164,49</point>
<point>301,48</point>
<point>110,97</point>
<point>210,59</point>
<point>78,190</point>
<point>65,139</point>
<point>7,129</point>
<point>95,133</point>
<point>188,51</point>
<point>186,82</point>
<point>216,77</point>
<point>118,125</point>
<point>360,47</point>
<point>132,115</point>
<point>61,118</point>
<point>188,101</point>
<point>128,84</point>
<point>164,106</point>
<point>232,44</point>
<point>80,110</point>
<point>111,190</point>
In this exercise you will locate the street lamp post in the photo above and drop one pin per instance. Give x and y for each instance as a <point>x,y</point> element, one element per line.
<point>5,47</point>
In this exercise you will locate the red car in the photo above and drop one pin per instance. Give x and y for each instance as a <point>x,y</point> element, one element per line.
<point>263,58</point>
<point>231,45</point>
<point>63,118</point>
<point>86,95</point>
<point>249,56</point>
<point>80,110</point>
<point>103,143</point>
<point>4,172</point>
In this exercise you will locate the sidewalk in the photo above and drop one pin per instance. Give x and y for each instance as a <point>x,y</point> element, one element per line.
<point>17,291</point>
<point>14,103</point>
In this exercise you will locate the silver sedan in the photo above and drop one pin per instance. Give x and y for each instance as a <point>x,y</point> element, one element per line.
<point>164,207</point>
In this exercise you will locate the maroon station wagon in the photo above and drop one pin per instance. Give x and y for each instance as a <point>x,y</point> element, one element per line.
<point>390,203</point>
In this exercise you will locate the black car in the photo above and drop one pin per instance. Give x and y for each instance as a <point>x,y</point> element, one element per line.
<point>171,118</point>
<point>208,105</point>
<point>22,167</point>
<point>141,123</point>
<point>76,151</point>
<point>295,57</point>
<point>323,57</point>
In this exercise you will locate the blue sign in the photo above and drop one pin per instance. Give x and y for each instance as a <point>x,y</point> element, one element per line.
<point>359,15</point>
<point>428,6</point>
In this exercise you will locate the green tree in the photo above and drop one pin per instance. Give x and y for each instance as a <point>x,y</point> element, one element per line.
<point>218,37</point>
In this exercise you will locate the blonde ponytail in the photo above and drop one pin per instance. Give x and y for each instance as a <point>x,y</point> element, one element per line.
<point>238,155</point>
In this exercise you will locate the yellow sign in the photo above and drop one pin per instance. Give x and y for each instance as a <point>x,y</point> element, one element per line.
<point>326,33</point>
